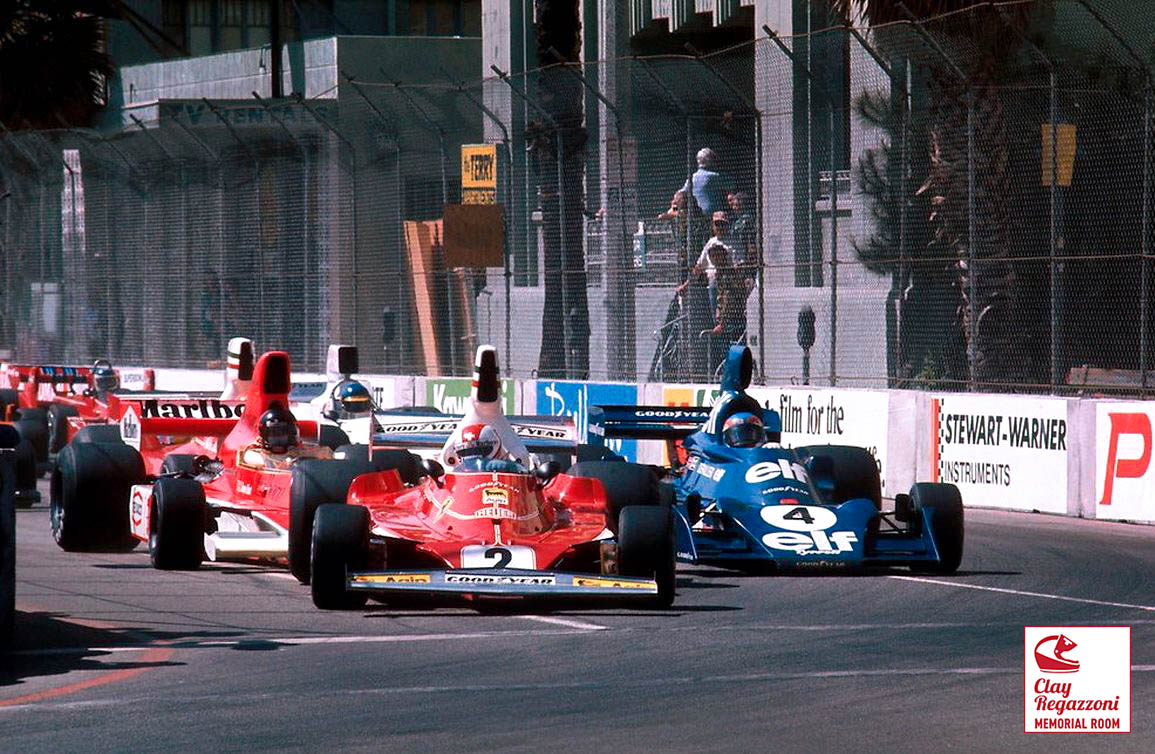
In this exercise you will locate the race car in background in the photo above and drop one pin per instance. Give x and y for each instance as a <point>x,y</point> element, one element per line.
<point>191,477</point>
<point>769,505</point>
<point>498,524</point>
<point>39,399</point>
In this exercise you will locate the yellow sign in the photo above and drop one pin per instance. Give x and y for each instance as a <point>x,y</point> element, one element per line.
<point>478,166</point>
<point>614,583</point>
<point>1064,150</point>
<point>393,578</point>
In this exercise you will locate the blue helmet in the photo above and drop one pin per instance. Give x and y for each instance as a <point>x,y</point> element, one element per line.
<point>743,430</point>
<point>104,377</point>
<point>352,398</point>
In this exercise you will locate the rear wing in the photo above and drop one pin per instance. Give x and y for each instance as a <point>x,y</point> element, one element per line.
<point>540,434</point>
<point>644,422</point>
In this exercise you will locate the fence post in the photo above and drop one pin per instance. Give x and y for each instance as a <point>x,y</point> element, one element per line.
<point>834,103</point>
<point>508,251</point>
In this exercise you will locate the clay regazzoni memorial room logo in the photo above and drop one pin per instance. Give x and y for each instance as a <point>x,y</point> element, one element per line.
<point>1077,679</point>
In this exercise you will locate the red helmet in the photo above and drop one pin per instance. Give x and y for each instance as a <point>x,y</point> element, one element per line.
<point>477,441</point>
<point>743,430</point>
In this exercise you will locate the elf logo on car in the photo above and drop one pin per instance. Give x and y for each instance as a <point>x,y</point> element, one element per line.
<point>767,470</point>
<point>808,534</point>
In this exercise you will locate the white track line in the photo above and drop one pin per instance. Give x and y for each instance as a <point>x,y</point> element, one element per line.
<point>303,641</point>
<point>565,622</point>
<point>1020,593</point>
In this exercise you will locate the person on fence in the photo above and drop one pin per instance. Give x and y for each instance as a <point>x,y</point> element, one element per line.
<point>742,238</point>
<point>713,254</point>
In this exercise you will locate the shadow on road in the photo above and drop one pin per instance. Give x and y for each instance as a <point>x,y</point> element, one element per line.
<point>45,645</point>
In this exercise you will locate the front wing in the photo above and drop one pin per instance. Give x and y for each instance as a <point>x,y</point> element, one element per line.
<point>503,582</point>
<point>831,537</point>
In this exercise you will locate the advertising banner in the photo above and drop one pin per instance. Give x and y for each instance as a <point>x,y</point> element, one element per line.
<point>1002,451</point>
<point>574,399</point>
<point>1124,479</point>
<point>812,416</point>
<point>450,395</point>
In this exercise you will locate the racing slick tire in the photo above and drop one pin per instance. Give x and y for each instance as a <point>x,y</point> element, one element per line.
<point>596,453</point>
<point>340,543</point>
<point>316,482</point>
<point>58,426</point>
<point>626,484</point>
<point>855,472</point>
<point>944,502</point>
<point>177,525</point>
<point>646,547</point>
<point>32,427</point>
<point>331,436</point>
<point>90,494</point>
<point>25,465</point>
<point>402,461</point>
<point>98,433</point>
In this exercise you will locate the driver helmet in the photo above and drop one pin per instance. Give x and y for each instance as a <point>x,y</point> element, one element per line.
<point>351,398</point>
<point>104,377</point>
<point>477,441</point>
<point>278,429</point>
<point>743,430</point>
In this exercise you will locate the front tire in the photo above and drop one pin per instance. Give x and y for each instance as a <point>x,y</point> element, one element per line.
<point>944,504</point>
<point>855,472</point>
<point>176,533</point>
<point>25,474</point>
<point>340,544</point>
<point>58,426</point>
<point>33,427</point>
<point>646,548</point>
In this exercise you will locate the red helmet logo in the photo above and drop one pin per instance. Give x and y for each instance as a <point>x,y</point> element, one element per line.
<point>1053,661</point>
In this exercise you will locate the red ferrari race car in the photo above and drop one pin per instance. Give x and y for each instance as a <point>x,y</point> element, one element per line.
<point>40,399</point>
<point>191,477</point>
<point>494,525</point>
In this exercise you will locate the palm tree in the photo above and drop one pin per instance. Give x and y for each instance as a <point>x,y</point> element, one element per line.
<point>976,43</point>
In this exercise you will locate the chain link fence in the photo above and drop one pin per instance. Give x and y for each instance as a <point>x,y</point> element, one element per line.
<point>962,202</point>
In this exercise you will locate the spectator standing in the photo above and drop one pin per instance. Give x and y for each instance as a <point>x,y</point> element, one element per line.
<point>707,187</point>
<point>715,254</point>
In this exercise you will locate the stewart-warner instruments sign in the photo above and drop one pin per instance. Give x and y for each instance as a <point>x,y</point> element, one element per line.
<point>1002,452</point>
<point>812,416</point>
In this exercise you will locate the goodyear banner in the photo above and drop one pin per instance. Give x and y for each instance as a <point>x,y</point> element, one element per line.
<point>573,399</point>
<point>812,416</point>
<point>450,395</point>
<point>1002,451</point>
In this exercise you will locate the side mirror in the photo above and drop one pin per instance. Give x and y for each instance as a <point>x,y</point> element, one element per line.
<point>821,472</point>
<point>903,508</point>
<point>433,468</point>
<point>546,471</point>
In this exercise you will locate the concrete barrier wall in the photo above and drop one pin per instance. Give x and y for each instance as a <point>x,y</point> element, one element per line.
<point>1071,456</point>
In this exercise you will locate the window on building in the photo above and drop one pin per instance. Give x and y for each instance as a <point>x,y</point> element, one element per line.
<point>821,156</point>
<point>173,21</point>
<point>200,27</point>
<point>208,26</point>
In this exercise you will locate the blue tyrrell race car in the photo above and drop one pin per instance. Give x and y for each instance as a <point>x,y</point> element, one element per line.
<point>742,500</point>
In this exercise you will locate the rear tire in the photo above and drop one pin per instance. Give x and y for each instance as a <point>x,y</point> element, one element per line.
<point>646,548</point>
<point>177,525</point>
<point>25,473</point>
<point>32,427</point>
<point>626,484</point>
<point>340,544</point>
<point>315,483</point>
<point>402,461</point>
<point>90,496</point>
<point>855,472</point>
<point>944,502</point>
<point>182,463</point>
<point>58,426</point>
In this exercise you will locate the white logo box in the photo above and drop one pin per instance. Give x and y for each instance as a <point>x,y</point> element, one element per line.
<point>1077,679</point>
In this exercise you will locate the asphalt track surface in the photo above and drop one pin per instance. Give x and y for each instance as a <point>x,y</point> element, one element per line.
<point>111,655</point>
